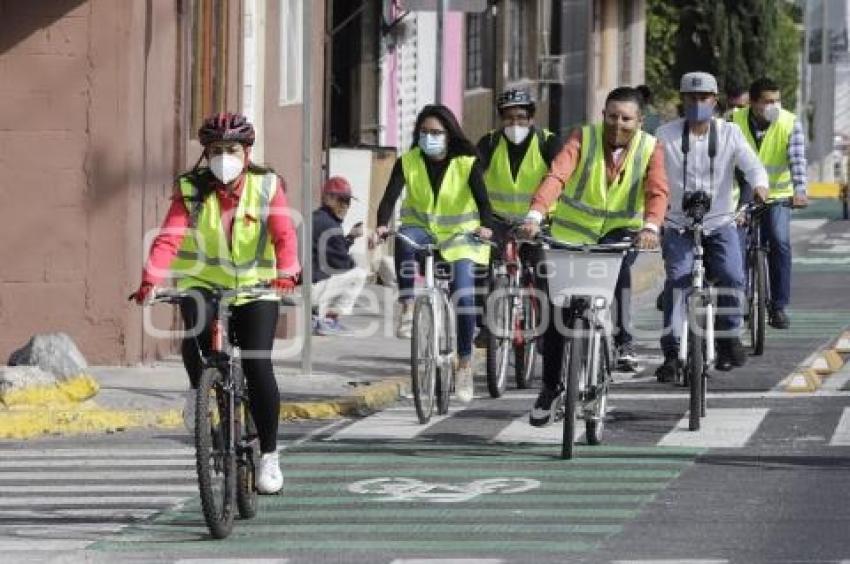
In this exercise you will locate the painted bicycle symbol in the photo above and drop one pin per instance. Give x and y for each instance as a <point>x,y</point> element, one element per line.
<point>411,489</point>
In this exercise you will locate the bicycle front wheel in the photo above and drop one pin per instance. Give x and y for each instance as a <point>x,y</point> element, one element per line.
<point>445,368</point>
<point>594,425</point>
<point>499,339</point>
<point>575,367</point>
<point>423,358</point>
<point>696,360</point>
<point>215,460</point>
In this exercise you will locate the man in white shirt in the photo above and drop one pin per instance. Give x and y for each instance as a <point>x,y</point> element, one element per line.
<point>701,134</point>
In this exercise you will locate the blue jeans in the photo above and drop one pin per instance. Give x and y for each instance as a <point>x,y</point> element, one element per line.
<point>462,285</point>
<point>724,265</point>
<point>622,292</point>
<point>776,234</point>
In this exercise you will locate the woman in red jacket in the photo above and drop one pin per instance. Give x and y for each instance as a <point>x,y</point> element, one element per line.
<point>213,204</point>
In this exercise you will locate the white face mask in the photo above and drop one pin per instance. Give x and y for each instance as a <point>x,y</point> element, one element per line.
<point>516,134</point>
<point>226,168</point>
<point>771,111</point>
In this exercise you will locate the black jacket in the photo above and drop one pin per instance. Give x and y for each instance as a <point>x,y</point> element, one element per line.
<point>330,246</point>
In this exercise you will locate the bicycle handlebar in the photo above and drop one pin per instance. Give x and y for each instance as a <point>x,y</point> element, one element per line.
<point>174,295</point>
<point>620,246</point>
<point>432,247</point>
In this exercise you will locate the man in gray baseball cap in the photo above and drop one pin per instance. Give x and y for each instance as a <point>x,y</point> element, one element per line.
<point>698,82</point>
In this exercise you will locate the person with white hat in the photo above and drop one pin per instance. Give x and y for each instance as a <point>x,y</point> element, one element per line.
<point>714,148</point>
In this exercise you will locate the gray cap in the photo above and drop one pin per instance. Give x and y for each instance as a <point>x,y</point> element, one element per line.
<point>698,82</point>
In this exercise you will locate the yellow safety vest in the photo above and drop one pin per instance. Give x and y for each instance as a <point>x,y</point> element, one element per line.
<point>454,211</point>
<point>205,258</point>
<point>509,196</point>
<point>773,152</point>
<point>588,207</point>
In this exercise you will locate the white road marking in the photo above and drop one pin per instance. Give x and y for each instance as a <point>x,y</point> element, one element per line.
<point>520,431</point>
<point>720,428</point>
<point>395,423</point>
<point>841,435</point>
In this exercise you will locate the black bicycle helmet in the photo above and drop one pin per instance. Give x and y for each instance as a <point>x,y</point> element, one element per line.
<point>226,126</point>
<point>513,98</point>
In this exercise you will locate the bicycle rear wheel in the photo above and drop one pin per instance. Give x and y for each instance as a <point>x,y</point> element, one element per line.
<point>246,437</point>
<point>215,461</point>
<point>499,337</point>
<point>574,372</point>
<point>758,306</point>
<point>445,368</point>
<point>696,361</point>
<point>525,353</point>
<point>423,358</point>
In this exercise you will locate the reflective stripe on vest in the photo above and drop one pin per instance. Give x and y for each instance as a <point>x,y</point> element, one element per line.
<point>509,196</point>
<point>773,152</point>
<point>206,259</point>
<point>588,207</point>
<point>454,211</point>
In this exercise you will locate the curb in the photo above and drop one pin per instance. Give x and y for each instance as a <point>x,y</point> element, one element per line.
<point>828,359</point>
<point>63,393</point>
<point>88,417</point>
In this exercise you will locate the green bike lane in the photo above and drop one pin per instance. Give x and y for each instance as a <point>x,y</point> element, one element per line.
<point>362,502</point>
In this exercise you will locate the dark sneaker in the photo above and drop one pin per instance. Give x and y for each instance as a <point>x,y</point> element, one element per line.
<point>668,370</point>
<point>779,319</point>
<point>627,358</point>
<point>545,407</point>
<point>730,354</point>
<point>659,301</point>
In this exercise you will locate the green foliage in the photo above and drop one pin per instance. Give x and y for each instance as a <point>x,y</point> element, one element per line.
<point>736,40</point>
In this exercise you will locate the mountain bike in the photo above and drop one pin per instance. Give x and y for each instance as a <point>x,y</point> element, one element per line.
<point>227,449</point>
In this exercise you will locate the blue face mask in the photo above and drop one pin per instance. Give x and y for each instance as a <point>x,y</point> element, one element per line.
<point>701,111</point>
<point>432,145</point>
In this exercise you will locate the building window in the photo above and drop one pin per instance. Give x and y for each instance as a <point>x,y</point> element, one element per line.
<point>519,36</point>
<point>291,42</point>
<point>209,59</point>
<point>474,51</point>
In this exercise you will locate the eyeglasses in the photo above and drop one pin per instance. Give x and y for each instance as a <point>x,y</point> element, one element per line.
<point>521,119</point>
<point>434,132</point>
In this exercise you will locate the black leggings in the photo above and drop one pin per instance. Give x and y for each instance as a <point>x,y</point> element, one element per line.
<point>253,327</point>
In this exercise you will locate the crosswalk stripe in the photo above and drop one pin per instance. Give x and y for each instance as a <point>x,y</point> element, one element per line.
<point>720,428</point>
<point>841,436</point>
<point>99,462</point>
<point>97,514</point>
<point>58,501</point>
<point>27,545</point>
<point>113,453</point>
<point>95,488</point>
<point>521,431</point>
<point>395,423</point>
<point>97,474</point>
<point>447,561</point>
<point>232,561</point>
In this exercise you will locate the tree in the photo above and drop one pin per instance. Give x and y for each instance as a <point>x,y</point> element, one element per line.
<point>735,40</point>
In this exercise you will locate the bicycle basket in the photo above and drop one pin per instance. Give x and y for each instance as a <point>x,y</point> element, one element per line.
<point>577,273</point>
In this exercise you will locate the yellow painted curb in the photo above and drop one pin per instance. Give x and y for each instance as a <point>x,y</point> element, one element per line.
<point>18,423</point>
<point>804,381</point>
<point>63,393</point>
<point>374,396</point>
<point>827,362</point>
<point>823,190</point>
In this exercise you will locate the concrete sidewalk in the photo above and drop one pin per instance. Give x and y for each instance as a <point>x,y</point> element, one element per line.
<point>354,374</point>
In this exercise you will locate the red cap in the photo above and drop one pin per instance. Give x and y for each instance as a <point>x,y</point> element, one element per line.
<point>337,186</point>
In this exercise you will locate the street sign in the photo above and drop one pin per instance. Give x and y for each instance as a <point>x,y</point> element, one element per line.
<point>451,5</point>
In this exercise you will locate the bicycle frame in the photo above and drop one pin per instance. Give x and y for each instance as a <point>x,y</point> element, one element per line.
<point>700,293</point>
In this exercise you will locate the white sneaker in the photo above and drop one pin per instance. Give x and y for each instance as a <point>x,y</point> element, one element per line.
<point>190,403</point>
<point>463,384</point>
<point>404,330</point>
<point>269,479</point>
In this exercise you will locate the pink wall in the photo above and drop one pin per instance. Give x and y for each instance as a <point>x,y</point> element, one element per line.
<point>453,55</point>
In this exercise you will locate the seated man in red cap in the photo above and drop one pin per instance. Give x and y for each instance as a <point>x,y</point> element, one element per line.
<point>337,280</point>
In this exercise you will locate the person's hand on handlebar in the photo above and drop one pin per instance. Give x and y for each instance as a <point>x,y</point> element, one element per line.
<point>484,233</point>
<point>378,235</point>
<point>800,200</point>
<point>646,239</point>
<point>283,285</point>
<point>529,229</point>
<point>760,193</point>
<point>144,295</point>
